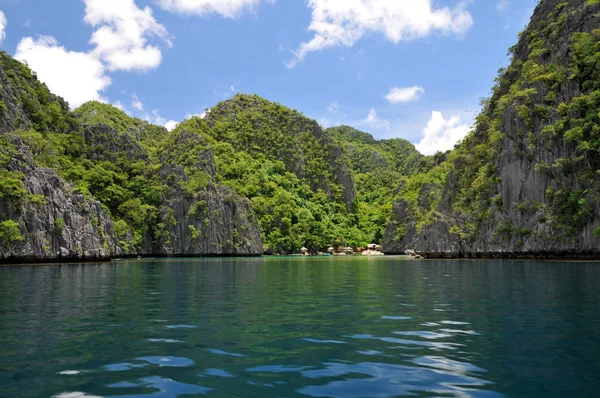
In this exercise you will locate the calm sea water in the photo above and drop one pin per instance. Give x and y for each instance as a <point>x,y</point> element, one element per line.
<point>301,327</point>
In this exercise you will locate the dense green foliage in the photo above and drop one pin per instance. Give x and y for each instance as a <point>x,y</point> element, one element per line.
<point>281,161</point>
<point>120,177</point>
<point>299,178</point>
<point>288,167</point>
<point>378,167</point>
<point>532,90</point>
<point>9,233</point>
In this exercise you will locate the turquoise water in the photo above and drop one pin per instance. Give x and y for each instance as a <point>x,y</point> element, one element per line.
<point>301,327</point>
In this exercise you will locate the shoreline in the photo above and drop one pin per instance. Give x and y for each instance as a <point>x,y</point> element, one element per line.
<point>541,255</point>
<point>88,260</point>
<point>519,256</point>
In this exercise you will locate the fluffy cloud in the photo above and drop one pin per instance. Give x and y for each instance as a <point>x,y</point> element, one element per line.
<point>75,76</point>
<point>136,102</point>
<point>399,95</point>
<point>155,118</point>
<point>334,107</point>
<point>121,42</point>
<point>441,135</point>
<point>3,23</point>
<point>227,8</point>
<point>171,124</point>
<point>373,120</point>
<point>123,32</point>
<point>200,115</point>
<point>344,22</point>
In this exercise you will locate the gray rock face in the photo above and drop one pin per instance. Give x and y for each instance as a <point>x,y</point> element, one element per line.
<point>43,218</point>
<point>517,226</point>
<point>54,222</point>
<point>213,221</point>
<point>59,224</point>
<point>105,143</point>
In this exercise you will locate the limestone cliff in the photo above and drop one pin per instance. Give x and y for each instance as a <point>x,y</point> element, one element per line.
<point>526,181</point>
<point>96,184</point>
<point>42,217</point>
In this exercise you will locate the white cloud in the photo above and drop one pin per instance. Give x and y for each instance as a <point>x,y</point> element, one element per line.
<point>502,5</point>
<point>122,36</point>
<point>156,118</point>
<point>122,42</point>
<point>373,120</point>
<point>171,124</point>
<point>75,76</point>
<point>227,8</point>
<point>441,135</point>
<point>232,88</point>
<point>119,105</point>
<point>200,115</point>
<point>399,95</point>
<point>3,23</point>
<point>344,22</point>
<point>136,103</point>
<point>334,107</point>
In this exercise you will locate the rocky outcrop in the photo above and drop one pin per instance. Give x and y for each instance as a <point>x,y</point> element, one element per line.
<point>543,198</point>
<point>43,217</point>
<point>54,223</point>
<point>211,221</point>
<point>195,220</point>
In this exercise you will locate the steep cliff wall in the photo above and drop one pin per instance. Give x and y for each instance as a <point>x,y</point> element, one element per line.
<point>526,181</point>
<point>41,216</point>
<point>168,200</point>
<point>95,183</point>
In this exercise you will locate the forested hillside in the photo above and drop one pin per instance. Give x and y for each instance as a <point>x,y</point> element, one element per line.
<point>251,177</point>
<point>306,185</point>
<point>254,177</point>
<point>526,181</point>
<point>377,166</point>
<point>96,183</point>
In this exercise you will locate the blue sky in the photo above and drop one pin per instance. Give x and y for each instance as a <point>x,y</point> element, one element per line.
<point>413,69</point>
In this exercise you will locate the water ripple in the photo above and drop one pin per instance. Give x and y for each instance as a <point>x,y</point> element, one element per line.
<point>424,334</point>
<point>221,352</point>
<point>168,361</point>
<point>181,327</point>
<point>324,341</point>
<point>278,369</point>
<point>385,380</point>
<point>166,388</point>
<point>122,367</point>
<point>217,373</point>
<point>164,341</point>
